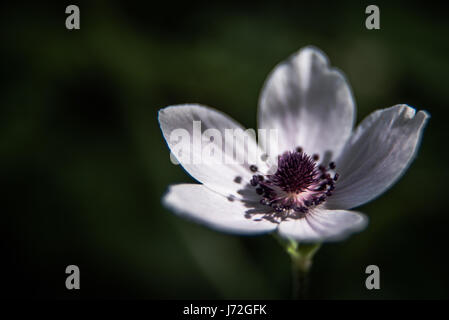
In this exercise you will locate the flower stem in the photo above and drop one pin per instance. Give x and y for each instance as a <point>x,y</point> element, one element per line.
<point>300,278</point>
<point>301,261</point>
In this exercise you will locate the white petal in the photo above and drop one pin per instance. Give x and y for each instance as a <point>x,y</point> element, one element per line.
<point>188,144</point>
<point>377,154</point>
<point>197,202</point>
<point>323,225</point>
<point>309,103</point>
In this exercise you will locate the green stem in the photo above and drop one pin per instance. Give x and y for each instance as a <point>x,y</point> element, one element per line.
<point>300,278</point>
<point>301,258</point>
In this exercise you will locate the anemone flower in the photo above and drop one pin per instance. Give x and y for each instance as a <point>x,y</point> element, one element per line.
<point>302,184</point>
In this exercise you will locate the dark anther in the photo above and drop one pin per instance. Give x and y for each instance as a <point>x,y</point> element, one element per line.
<point>231,198</point>
<point>321,168</point>
<point>336,177</point>
<point>332,165</point>
<point>253,168</point>
<point>253,182</point>
<point>300,209</point>
<point>307,203</point>
<point>316,157</point>
<point>329,193</point>
<point>238,179</point>
<point>259,190</point>
<point>299,149</point>
<point>264,157</point>
<point>260,177</point>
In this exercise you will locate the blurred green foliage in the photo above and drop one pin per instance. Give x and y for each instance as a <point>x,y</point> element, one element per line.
<point>84,165</point>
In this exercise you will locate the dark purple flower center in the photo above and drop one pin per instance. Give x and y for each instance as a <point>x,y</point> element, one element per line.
<point>298,184</point>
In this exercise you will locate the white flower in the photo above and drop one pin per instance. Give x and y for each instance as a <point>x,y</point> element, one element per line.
<point>324,167</point>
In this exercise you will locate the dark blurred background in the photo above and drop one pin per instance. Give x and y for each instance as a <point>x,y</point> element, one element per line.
<point>84,165</point>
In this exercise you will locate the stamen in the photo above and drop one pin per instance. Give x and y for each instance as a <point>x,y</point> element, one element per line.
<point>253,168</point>
<point>253,182</point>
<point>298,184</point>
